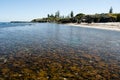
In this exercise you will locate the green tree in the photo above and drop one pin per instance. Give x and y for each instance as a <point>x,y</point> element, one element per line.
<point>96,18</point>
<point>79,17</point>
<point>51,15</point>
<point>111,10</point>
<point>89,18</point>
<point>48,15</point>
<point>57,14</point>
<point>118,17</point>
<point>71,14</point>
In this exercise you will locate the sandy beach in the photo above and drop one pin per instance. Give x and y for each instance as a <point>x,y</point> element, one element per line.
<point>107,26</point>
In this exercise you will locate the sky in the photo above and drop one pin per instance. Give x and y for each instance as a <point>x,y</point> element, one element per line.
<point>26,10</point>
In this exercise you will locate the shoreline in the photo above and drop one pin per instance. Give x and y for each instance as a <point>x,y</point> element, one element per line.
<point>114,26</point>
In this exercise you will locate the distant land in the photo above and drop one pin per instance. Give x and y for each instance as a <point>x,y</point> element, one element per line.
<point>19,21</point>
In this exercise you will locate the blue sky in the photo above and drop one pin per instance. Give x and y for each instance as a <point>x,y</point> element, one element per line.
<point>11,10</point>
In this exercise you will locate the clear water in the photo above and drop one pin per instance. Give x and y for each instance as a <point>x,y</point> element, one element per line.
<point>41,38</point>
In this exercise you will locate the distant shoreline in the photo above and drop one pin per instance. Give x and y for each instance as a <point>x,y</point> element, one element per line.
<point>19,22</point>
<point>106,26</point>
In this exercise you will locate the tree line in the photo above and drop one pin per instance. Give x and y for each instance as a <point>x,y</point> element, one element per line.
<point>79,18</point>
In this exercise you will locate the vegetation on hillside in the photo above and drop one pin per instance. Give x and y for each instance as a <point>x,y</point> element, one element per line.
<point>80,17</point>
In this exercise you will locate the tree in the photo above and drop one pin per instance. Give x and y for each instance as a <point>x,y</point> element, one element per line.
<point>112,18</point>
<point>111,10</point>
<point>48,15</point>
<point>57,14</point>
<point>79,17</point>
<point>71,14</point>
<point>65,20</point>
<point>118,17</point>
<point>51,15</point>
<point>96,18</point>
<point>89,18</point>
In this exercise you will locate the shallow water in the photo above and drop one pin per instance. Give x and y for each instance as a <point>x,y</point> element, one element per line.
<point>25,36</point>
<point>58,43</point>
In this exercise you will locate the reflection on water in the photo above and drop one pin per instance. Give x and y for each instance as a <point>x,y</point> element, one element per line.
<point>13,39</point>
<point>47,40</point>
